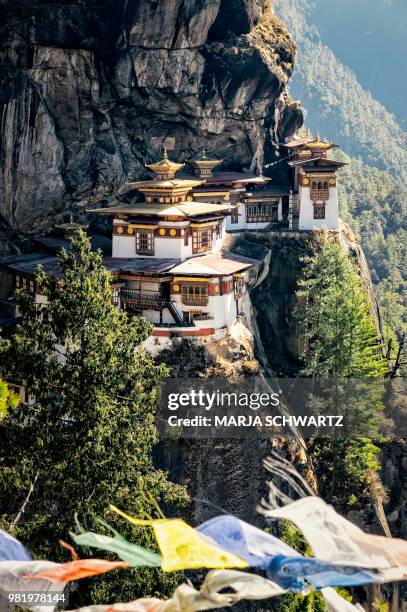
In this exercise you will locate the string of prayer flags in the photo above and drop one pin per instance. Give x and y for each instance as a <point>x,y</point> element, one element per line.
<point>11,549</point>
<point>75,570</point>
<point>240,586</point>
<point>134,555</point>
<point>338,541</point>
<point>253,545</point>
<point>284,564</point>
<point>295,574</point>
<point>182,547</point>
<point>209,597</point>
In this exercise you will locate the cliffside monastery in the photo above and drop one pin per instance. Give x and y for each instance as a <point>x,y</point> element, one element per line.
<point>166,258</point>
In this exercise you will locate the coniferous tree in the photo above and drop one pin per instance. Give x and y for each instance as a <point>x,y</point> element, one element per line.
<point>342,342</point>
<point>339,328</point>
<point>88,437</point>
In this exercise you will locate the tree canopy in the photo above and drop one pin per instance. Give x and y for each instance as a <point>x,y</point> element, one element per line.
<point>87,438</point>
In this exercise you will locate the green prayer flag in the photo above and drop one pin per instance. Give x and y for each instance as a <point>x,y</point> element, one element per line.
<point>134,555</point>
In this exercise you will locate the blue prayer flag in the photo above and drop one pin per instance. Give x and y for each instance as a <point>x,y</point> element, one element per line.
<point>11,549</point>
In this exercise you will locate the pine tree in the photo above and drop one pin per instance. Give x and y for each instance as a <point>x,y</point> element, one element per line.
<point>342,342</point>
<point>88,438</point>
<point>337,322</point>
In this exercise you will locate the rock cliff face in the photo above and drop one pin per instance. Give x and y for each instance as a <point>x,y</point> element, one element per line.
<point>90,90</point>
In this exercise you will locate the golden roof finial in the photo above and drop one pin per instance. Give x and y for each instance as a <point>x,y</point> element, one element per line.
<point>319,145</point>
<point>308,134</point>
<point>165,168</point>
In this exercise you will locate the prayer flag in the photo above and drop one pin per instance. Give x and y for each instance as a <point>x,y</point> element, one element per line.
<point>183,548</point>
<point>295,574</point>
<point>134,555</point>
<point>75,570</point>
<point>336,540</point>
<point>11,549</point>
<point>253,545</point>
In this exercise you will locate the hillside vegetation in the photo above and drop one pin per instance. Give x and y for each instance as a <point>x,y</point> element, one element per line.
<point>373,187</point>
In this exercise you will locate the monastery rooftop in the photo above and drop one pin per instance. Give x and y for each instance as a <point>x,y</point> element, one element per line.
<point>214,263</point>
<point>189,209</point>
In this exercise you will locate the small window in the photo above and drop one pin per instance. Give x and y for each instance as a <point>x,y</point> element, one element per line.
<point>145,243</point>
<point>234,218</point>
<point>202,240</point>
<point>319,211</point>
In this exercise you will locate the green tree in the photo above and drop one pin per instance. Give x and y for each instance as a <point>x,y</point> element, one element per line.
<point>88,437</point>
<point>337,323</point>
<point>341,340</point>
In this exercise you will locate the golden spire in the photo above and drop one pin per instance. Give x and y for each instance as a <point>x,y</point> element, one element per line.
<point>308,134</point>
<point>318,144</point>
<point>165,168</point>
<point>204,166</point>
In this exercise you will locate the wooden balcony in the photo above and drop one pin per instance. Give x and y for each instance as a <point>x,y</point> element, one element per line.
<point>319,195</point>
<point>143,299</point>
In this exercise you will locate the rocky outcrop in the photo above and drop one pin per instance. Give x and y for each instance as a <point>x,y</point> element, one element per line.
<point>90,91</point>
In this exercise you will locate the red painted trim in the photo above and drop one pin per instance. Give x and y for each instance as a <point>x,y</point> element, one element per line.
<point>161,332</point>
<point>209,331</point>
<point>167,333</point>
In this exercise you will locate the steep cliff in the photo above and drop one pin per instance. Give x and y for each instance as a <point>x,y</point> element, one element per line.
<point>90,91</point>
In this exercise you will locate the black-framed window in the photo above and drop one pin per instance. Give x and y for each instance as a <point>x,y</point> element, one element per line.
<point>145,243</point>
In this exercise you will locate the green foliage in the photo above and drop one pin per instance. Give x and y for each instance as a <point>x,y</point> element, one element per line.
<point>373,187</point>
<point>90,434</point>
<point>341,337</point>
<point>9,400</point>
<point>335,316</point>
<point>374,205</point>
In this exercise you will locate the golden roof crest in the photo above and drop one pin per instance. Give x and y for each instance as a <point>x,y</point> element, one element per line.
<point>165,166</point>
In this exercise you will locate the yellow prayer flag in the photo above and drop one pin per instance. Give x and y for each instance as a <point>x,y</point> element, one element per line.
<point>184,548</point>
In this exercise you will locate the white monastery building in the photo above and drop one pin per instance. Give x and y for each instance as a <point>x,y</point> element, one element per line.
<point>166,258</point>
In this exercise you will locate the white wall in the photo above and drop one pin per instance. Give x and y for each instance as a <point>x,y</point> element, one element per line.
<point>306,218</point>
<point>124,246</point>
<point>241,224</point>
<point>221,309</point>
<point>166,248</point>
<point>171,248</point>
